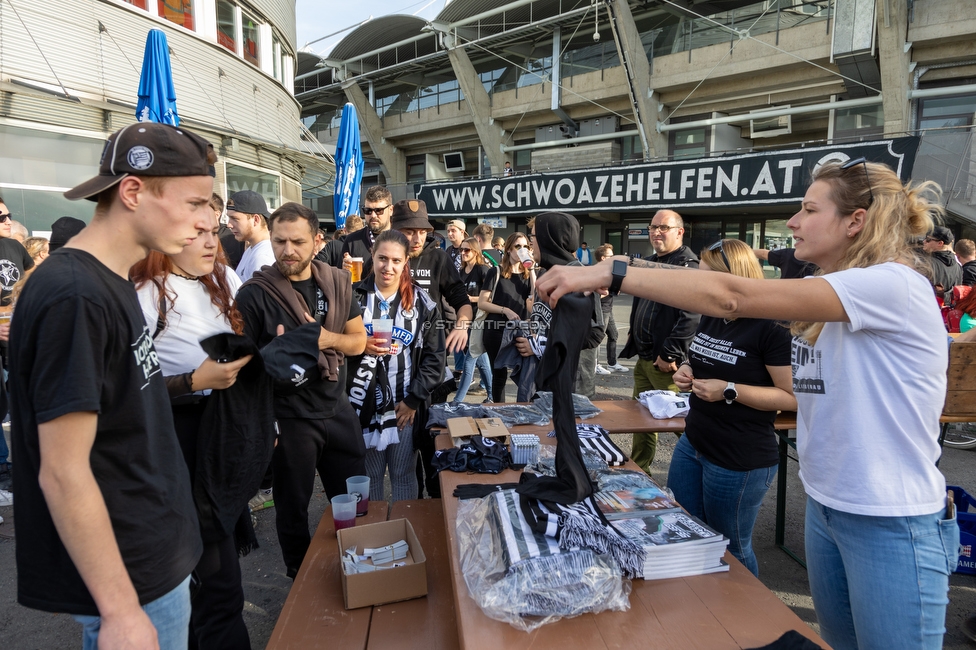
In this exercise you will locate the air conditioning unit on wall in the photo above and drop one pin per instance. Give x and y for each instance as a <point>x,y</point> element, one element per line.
<point>770,127</point>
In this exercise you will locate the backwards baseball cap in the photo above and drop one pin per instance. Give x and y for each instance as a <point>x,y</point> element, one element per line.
<point>457,223</point>
<point>943,234</point>
<point>409,214</point>
<point>249,202</point>
<point>147,149</point>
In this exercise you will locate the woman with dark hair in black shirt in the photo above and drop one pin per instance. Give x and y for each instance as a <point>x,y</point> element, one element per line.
<point>507,296</point>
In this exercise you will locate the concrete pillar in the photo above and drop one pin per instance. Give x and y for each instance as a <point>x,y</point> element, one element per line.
<point>638,70</point>
<point>492,136</point>
<point>895,57</point>
<point>394,161</point>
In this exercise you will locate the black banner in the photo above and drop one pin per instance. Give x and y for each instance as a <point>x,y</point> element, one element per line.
<point>766,178</point>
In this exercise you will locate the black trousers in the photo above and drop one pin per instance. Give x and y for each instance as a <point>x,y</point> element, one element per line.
<point>217,607</point>
<point>334,447</point>
<point>611,339</point>
<point>492,339</point>
<point>216,617</point>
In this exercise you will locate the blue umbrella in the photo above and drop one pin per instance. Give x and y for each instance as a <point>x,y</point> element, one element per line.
<point>349,167</point>
<point>157,97</point>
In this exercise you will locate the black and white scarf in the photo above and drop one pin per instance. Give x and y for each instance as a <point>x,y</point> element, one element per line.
<point>597,439</point>
<point>372,399</point>
<point>582,525</point>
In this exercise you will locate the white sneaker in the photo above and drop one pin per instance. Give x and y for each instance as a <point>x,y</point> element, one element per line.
<point>1,520</point>
<point>6,498</point>
<point>600,370</point>
<point>618,368</point>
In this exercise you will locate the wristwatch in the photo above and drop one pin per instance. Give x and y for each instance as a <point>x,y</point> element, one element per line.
<point>618,271</point>
<point>730,393</point>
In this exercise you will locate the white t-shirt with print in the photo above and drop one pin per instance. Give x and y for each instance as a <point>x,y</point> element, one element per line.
<point>261,254</point>
<point>869,395</point>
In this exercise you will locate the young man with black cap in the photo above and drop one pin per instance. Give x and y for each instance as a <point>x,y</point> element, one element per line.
<point>106,526</point>
<point>946,271</point>
<point>432,270</point>
<point>247,218</point>
<point>318,428</point>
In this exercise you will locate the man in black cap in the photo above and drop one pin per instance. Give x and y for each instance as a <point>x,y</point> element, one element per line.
<point>247,218</point>
<point>106,526</point>
<point>946,271</point>
<point>432,269</point>
<point>318,427</point>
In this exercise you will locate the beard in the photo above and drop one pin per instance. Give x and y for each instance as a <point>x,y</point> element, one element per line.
<point>294,269</point>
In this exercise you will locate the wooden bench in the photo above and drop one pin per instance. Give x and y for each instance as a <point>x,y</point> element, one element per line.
<point>314,614</point>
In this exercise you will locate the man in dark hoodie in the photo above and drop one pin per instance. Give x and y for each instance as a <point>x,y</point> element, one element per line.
<point>431,268</point>
<point>660,334</point>
<point>946,272</point>
<point>555,238</point>
<point>318,428</point>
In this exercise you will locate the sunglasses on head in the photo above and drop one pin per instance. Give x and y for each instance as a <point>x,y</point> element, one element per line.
<point>6,217</point>
<point>861,161</point>
<point>369,211</point>
<point>720,247</point>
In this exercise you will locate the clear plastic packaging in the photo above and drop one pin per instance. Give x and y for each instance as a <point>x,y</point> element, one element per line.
<point>583,408</point>
<point>532,584</point>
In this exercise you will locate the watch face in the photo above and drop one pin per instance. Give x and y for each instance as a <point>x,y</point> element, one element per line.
<point>619,267</point>
<point>730,393</point>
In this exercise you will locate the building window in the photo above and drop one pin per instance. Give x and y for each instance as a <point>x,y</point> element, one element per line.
<point>276,58</point>
<point>631,147</point>
<point>689,143</point>
<point>946,112</point>
<point>227,25</point>
<point>240,178</point>
<point>864,123</point>
<point>251,39</point>
<point>138,3</point>
<point>177,11</point>
<point>416,169</point>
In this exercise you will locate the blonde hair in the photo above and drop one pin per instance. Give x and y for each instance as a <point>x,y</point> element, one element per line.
<point>896,216</point>
<point>741,260</point>
<point>34,246</point>
<point>475,247</point>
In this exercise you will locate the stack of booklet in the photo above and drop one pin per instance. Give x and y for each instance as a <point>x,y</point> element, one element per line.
<point>675,543</point>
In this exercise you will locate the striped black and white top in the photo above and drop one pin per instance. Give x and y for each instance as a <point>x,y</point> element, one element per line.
<point>406,331</point>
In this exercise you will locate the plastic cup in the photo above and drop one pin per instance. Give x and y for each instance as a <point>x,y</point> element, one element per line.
<point>383,329</point>
<point>525,257</point>
<point>344,511</point>
<point>358,486</point>
<point>357,268</point>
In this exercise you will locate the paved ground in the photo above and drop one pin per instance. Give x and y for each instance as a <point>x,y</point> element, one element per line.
<point>266,586</point>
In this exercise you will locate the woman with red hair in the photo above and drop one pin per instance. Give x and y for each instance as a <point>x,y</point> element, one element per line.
<point>186,298</point>
<point>394,377</point>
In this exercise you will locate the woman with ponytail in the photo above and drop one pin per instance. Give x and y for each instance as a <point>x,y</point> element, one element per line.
<point>869,374</point>
<point>393,379</point>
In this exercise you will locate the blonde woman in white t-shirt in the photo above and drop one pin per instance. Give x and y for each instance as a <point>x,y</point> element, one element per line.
<point>869,366</point>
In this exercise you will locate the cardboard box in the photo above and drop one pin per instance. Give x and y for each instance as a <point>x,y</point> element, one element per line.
<point>389,585</point>
<point>467,427</point>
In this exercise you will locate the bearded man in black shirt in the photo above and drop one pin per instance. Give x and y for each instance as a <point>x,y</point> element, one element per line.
<point>106,526</point>
<point>318,428</point>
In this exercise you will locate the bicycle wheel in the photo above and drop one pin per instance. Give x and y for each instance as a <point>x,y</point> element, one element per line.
<point>961,436</point>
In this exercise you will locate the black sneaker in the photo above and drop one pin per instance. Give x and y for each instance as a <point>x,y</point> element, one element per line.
<point>969,628</point>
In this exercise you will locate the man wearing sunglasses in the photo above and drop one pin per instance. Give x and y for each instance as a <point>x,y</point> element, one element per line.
<point>376,212</point>
<point>659,334</point>
<point>14,261</point>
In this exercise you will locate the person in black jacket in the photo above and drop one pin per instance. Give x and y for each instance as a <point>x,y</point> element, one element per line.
<point>946,271</point>
<point>402,372</point>
<point>659,334</point>
<point>433,271</point>
<point>966,252</point>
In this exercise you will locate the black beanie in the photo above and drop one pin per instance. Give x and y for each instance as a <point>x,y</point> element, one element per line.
<point>557,236</point>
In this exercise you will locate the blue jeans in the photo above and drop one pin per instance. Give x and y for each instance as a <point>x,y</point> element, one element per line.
<point>4,451</point>
<point>467,373</point>
<point>170,614</point>
<point>726,500</point>
<point>880,582</point>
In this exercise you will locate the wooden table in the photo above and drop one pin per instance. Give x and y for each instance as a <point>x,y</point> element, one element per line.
<point>722,610</point>
<point>314,614</point>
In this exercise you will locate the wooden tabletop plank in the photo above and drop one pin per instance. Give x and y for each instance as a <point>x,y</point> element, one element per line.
<point>422,623</point>
<point>314,614</point>
<point>723,610</point>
